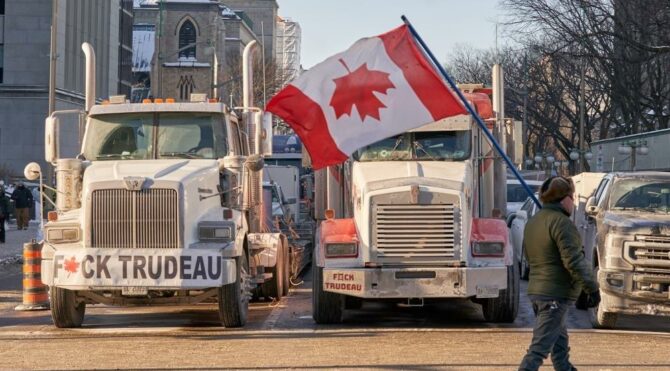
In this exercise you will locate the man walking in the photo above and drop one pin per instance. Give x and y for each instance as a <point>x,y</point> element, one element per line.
<point>558,274</point>
<point>4,212</point>
<point>23,199</point>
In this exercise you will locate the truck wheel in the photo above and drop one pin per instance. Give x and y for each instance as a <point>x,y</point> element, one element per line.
<point>599,318</point>
<point>352,302</point>
<point>274,288</point>
<point>234,297</point>
<point>287,270</point>
<point>65,311</point>
<point>327,307</point>
<point>505,307</point>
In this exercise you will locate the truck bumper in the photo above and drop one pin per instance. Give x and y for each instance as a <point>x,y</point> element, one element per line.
<point>160,269</point>
<point>388,283</point>
<point>634,293</point>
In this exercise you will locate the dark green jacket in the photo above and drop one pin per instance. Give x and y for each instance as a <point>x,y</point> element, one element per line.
<point>4,204</point>
<point>553,249</point>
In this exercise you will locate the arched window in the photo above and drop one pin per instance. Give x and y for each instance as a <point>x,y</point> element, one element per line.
<point>186,38</point>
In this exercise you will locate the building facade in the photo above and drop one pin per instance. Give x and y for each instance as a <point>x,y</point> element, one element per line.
<point>25,30</point>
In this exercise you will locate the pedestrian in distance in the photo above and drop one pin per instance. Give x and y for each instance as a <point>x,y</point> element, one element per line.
<point>23,199</point>
<point>4,212</point>
<point>559,272</point>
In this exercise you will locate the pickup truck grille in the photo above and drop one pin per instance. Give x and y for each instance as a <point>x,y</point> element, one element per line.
<point>127,219</point>
<point>409,234</point>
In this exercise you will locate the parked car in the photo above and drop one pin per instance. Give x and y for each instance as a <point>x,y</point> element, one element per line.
<point>517,194</point>
<point>516,222</point>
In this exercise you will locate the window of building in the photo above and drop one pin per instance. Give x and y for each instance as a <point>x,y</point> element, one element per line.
<point>187,39</point>
<point>186,86</point>
<point>2,7</point>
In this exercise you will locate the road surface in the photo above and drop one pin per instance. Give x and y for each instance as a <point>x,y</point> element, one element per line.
<point>450,336</point>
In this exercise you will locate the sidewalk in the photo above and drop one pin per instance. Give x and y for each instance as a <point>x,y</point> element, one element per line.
<point>12,250</point>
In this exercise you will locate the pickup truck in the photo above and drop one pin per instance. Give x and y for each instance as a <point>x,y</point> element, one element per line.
<point>629,216</point>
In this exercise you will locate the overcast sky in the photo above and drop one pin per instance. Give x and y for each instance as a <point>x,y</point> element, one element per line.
<point>331,26</point>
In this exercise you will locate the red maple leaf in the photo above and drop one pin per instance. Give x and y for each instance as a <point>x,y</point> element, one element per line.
<point>71,265</point>
<point>357,88</point>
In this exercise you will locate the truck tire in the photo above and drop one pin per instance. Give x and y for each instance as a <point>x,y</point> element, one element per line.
<point>505,307</point>
<point>352,302</point>
<point>65,311</point>
<point>234,298</point>
<point>599,318</point>
<point>327,307</point>
<point>287,269</point>
<point>274,288</point>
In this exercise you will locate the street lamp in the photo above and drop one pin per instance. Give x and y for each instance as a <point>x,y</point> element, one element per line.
<point>578,155</point>
<point>633,148</point>
<point>548,160</point>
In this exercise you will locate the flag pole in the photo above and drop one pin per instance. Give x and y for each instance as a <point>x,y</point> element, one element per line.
<point>472,112</point>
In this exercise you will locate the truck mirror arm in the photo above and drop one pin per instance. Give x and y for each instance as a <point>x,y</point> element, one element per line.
<point>219,193</point>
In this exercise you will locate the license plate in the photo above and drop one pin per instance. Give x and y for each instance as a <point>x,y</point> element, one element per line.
<point>134,291</point>
<point>487,291</point>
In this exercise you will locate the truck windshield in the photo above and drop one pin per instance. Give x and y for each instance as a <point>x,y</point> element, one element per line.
<point>149,135</point>
<point>652,195</point>
<point>419,146</point>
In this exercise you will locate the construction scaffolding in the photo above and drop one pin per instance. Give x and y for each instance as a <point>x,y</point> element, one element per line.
<point>288,47</point>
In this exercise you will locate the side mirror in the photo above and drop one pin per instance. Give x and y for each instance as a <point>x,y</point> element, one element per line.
<point>591,208</point>
<point>32,171</point>
<point>592,211</point>
<point>51,150</point>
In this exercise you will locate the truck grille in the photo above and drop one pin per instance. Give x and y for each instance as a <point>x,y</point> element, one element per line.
<point>128,219</point>
<point>416,233</point>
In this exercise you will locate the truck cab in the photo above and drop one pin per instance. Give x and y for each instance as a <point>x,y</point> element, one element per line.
<point>161,206</point>
<point>417,228</point>
<point>628,215</point>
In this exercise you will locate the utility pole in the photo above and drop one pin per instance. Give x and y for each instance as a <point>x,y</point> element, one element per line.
<point>582,116</point>
<point>53,57</point>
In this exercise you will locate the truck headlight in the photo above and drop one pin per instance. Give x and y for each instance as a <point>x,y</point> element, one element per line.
<point>341,250</point>
<point>490,249</point>
<point>216,231</point>
<point>62,235</point>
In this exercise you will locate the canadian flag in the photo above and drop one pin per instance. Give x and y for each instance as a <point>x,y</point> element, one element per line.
<point>380,87</point>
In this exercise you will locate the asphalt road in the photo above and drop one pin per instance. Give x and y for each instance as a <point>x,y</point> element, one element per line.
<point>282,335</point>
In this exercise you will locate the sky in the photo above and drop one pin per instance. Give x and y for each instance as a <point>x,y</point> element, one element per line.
<point>332,26</point>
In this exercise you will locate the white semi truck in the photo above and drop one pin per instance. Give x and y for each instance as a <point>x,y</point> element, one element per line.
<point>162,206</point>
<point>409,219</point>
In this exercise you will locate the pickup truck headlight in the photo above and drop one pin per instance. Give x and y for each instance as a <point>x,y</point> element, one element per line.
<point>488,249</point>
<point>341,250</point>
<point>62,235</point>
<point>216,231</point>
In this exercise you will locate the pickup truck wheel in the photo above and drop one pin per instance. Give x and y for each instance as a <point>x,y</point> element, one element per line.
<point>287,270</point>
<point>524,268</point>
<point>65,311</point>
<point>327,307</point>
<point>234,297</point>
<point>505,307</point>
<point>274,288</point>
<point>599,318</point>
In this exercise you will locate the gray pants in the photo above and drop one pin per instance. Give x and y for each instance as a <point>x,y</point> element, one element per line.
<point>549,336</point>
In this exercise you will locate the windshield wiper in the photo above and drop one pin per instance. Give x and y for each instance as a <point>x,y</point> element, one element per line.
<point>110,156</point>
<point>179,155</point>
<point>418,145</point>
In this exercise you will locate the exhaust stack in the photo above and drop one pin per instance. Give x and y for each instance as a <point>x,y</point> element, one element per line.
<point>248,75</point>
<point>89,53</point>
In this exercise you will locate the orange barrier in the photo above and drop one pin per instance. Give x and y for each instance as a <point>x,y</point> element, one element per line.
<point>35,296</point>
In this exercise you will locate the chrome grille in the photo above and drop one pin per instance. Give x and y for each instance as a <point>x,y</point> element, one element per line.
<point>128,219</point>
<point>416,233</point>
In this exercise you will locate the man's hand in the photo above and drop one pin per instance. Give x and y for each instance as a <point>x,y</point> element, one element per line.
<point>593,299</point>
